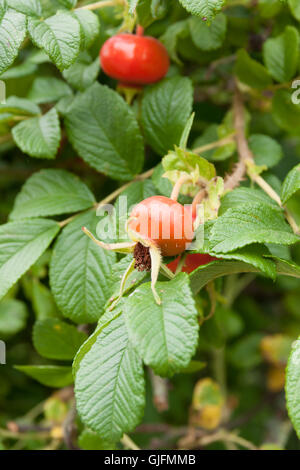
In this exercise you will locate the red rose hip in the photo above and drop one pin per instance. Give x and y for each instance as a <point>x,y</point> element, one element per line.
<point>134,59</point>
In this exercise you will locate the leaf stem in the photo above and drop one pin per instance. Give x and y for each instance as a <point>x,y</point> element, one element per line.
<point>218,143</point>
<point>128,442</point>
<point>225,436</point>
<point>103,4</point>
<point>111,196</point>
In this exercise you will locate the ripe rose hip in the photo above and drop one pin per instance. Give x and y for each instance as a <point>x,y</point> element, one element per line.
<point>163,221</point>
<point>134,59</point>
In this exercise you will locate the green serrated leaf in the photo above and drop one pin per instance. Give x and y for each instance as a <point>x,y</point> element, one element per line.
<point>21,244</point>
<point>240,196</point>
<point>291,184</point>
<point>281,54</point>
<point>207,9</point>
<point>80,272</point>
<point>59,36</point>
<point>109,384</point>
<point>27,7</point>
<point>105,133</point>
<point>51,376</point>
<point>165,335</point>
<point>204,274</point>
<point>292,386</point>
<point>12,34</point>
<point>48,90</point>
<point>51,192</point>
<point>166,107</point>
<point>208,37</point>
<point>39,136</point>
<point>252,223</point>
<point>55,339</point>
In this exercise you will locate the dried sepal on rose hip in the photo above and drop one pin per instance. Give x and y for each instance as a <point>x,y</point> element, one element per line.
<point>157,227</point>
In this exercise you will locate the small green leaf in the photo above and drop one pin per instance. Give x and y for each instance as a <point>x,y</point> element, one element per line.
<point>39,136</point>
<point>89,440</point>
<point>20,106</point>
<point>109,384</point>
<point>51,376</point>
<point>251,72</point>
<point>43,303</point>
<point>165,335</point>
<point>12,34</point>
<point>295,8</point>
<point>172,36</point>
<point>110,141</point>
<point>83,73</point>
<point>21,244</point>
<point>48,90</point>
<point>80,272</point>
<point>207,9</point>
<point>252,223</point>
<point>286,114</point>
<point>166,107</point>
<point>245,353</point>
<point>51,192</point>
<point>266,150</point>
<point>292,386</point>
<point>13,316</point>
<point>291,184</point>
<point>208,37</point>
<point>55,339</point>
<point>281,54</point>
<point>59,36</point>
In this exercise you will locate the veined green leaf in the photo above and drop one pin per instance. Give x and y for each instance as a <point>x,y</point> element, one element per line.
<point>21,244</point>
<point>12,32</point>
<point>165,335</point>
<point>109,384</point>
<point>39,136</point>
<point>80,272</point>
<point>291,184</point>
<point>51,192</point>
<point>51,376</point>
<point>59,36</point>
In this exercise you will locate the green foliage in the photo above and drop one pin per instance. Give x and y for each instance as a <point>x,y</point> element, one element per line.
<point>39,136</point>
<point>55,339</point>
<point>165,110</point>
<point>115,368</point>
<point>165,335</point>
<point>222,129</point>
<point>80,272</point>
<point>112,149</point>
<point>51,192</point>
<point>292,386</point>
